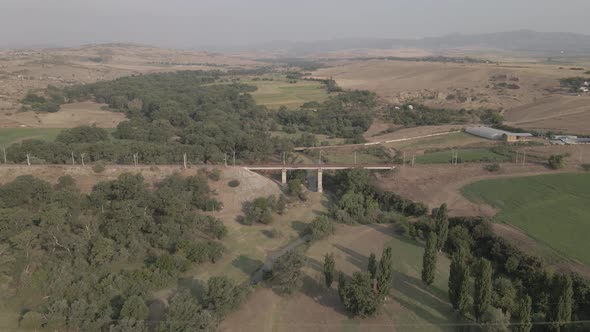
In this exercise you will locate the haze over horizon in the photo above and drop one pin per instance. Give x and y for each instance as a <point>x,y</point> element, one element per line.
<point>205,23</point>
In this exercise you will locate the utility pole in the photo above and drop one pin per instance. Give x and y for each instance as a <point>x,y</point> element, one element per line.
<point>82,157</point>
<point>413,159</point>
<point>523,158</point>
<point>516,158</point>
<point>73,160</point>
<point>404,160</point>
<point>234,157</point>
<point>28,160</point>
<point>4,150</point>
<point>284,159</point>
<point>355,157</point>
<point>320,160</point>
<point>135,159</point>
<point>184,160</point>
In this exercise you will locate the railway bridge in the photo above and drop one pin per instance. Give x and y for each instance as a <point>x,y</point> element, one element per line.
<point>318,167</point>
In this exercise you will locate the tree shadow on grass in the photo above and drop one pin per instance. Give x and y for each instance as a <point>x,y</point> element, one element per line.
<point>327,297</point>
<point>422,297</point>
<point>247,264</point>
<point>298,226</point>
<point>196,287</point>
<point>359,260</point>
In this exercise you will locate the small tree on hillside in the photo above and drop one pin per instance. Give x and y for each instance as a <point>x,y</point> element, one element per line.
<point>329,265</point>
<point>372,266</point>
<point>442,226</point>
<point>483,288</point>
<point>384,273</point>
<point>429,259</point>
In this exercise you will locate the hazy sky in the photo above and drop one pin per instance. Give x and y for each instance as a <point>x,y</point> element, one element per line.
<point>194,23</point>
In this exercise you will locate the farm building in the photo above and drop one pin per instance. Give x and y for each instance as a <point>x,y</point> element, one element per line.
<point>496,134</point>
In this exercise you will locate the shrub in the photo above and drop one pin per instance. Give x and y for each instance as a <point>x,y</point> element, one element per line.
<point>492,167</point>
<point>99,167</point>
<point>215,174</point>
<point>260,210</point>
<point>319,228</point>
<point>556,161</point>
<point>585,167</point>
<point>233,183</point>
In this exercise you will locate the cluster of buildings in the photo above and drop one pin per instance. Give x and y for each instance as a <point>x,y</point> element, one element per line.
<point>506,136</point>
<point>497,134</point>
<point>568,139</point>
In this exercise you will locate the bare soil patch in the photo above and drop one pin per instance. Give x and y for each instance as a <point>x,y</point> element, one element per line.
<point>437,184</point>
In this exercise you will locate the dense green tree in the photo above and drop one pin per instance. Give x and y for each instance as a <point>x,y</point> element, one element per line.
<point>329,269</point>
<point>341,284</point>
<point>504,295</point>
<point>129,325</point>
<point>185,314</point>
<point>495,320</point>
<point>135,307</point>
<point>429,259</point>
<point>523,314</point>
<point>286,271</point>
<point>320,228</point>
<point>358,297</point>
<point>561,300</point>
<point>222,296</point>
<point>442,226</point>
<point>372,266</point>
<point>384,275</point>
<point>483,288</point>
<point>459,282</point>
<point>82,134</point>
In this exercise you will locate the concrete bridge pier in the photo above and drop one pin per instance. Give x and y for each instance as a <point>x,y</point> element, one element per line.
<point>284,177</point>
<point>320,185</point>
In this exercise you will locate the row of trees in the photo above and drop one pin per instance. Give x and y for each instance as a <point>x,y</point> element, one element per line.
<point>509,287</point>
<point>366,291</point>
<point>170,114</point>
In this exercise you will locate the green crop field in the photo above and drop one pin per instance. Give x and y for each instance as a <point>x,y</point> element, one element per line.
<point>466,155</point>
<point>13,135</point>
<point>554,209</point>
<point>280,92</point>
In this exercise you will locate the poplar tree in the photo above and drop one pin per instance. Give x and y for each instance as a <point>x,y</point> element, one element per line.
<point>442,226</point>
<point>329,265</point>
<point>483,288</point>
<point>459,282</point>
<point>384,273</point>
<point>429,259</point>
<point>561,300</point>
<point>524,314</point>
<point>372,266</point>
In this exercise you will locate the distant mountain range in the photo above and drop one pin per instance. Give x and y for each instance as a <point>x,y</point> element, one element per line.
<point>546,43</point>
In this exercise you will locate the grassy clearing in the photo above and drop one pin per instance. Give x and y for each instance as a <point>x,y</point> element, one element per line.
<point>412,306</point>
<point>347,157</point>
<point>553,208</point>
<point>9,136</point>
<point>248,246</point>
<point>442,141</point>
<point>465,155</point>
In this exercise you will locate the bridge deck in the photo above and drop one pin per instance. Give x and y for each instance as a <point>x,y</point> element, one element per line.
<point>317,166</point>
